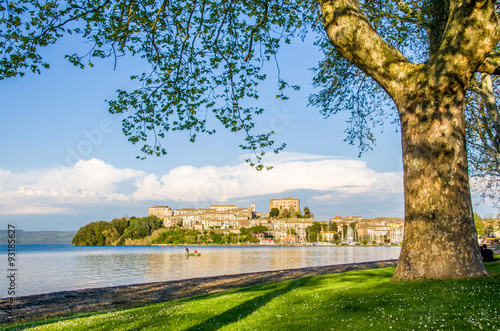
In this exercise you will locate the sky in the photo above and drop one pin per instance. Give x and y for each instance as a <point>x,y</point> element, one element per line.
<point>65,161</point>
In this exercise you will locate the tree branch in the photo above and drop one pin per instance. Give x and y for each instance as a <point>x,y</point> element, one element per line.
<point>255,28</point>
<point>353,36</point>
<point>471,33</point>
<point>491,64</point>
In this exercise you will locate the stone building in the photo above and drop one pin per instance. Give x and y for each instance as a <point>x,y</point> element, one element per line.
<point>292,204</point>
<point>160,212</point>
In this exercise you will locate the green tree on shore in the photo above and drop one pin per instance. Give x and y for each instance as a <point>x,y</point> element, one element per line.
<point>307,213</point>
<point>104,233</point>
<point>274,212</point>
<point>91,234</point>
<point>313,232</point>
<point>177,236</point>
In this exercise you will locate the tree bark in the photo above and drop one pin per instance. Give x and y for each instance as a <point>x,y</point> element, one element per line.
<point>440,238</point>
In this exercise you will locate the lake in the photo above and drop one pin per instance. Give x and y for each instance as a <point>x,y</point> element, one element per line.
<point>51,268</point>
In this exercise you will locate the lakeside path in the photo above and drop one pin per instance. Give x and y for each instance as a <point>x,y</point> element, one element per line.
<point>127,296</point>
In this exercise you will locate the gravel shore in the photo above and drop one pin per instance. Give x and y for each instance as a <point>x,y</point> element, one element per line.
<point>119,297</point>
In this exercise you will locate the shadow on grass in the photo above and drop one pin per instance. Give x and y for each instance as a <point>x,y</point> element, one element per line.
<point>248,307</point>
<point>369,292</point>
<point>353,279</point>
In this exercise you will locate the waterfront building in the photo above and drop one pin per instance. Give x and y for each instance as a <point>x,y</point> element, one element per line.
<point>284,226</point>
<point>329,236</point>
<point>290,239</point>
<point>231,218</point>
<point>381,229</point>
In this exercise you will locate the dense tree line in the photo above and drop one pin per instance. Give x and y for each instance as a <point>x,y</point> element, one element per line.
<point>176,236</point>
<point>104,233</point>
<point>313,232</point>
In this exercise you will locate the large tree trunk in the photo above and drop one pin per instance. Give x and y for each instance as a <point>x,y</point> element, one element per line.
<point>440,236</point>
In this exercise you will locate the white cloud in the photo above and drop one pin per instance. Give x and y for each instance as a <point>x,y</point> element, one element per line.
<point>222,183</point>
<point>97,182</point>
<point>37,191</point>
<point>273,159</point>
<point>34,210</point>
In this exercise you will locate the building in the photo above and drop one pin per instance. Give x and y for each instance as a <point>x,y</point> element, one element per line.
<point>291,230</point>
<point>184,211</point>
<point>224,207</point>
<point>347,220</point>
<point>284,226</point>
<point>216,217</point>
<point>381,230</point>
<point>290,239</point>
<point>172,221</point>
<point>329,236</point>
<point>160,212</point>
<point>292,204</point>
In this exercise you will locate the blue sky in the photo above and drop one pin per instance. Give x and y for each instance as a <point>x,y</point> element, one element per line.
<point>65,161</point>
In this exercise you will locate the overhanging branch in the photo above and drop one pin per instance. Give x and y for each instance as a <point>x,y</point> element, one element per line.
<point>354,37</point>
<point>491,64</point>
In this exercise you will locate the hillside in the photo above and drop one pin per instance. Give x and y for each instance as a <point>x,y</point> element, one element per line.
<point>39,237</point>
<point>120,231</point>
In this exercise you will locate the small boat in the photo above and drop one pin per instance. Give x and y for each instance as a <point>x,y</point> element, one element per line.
<point>193,254</point>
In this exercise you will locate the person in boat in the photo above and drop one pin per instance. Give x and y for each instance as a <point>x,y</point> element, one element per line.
<point>196,251</point>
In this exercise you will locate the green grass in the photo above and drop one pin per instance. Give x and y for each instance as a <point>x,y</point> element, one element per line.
<point>363,300</point>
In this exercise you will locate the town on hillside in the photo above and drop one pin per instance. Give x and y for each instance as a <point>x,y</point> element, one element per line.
<point>284,223</point>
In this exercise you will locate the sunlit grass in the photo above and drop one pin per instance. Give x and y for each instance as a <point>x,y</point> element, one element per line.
<point>363,300</point>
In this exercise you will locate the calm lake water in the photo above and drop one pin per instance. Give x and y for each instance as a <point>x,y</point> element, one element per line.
<point>51,268</point>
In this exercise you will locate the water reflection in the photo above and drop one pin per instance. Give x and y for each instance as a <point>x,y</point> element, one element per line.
<point>49,268</point>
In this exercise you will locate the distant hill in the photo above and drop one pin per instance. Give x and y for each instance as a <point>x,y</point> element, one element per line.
<point>39,237</point>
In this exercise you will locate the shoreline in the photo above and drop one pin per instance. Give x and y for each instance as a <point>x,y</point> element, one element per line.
<point>93,300</point>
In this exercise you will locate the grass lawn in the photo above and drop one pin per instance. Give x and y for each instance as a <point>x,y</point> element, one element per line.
<point>363,300</point>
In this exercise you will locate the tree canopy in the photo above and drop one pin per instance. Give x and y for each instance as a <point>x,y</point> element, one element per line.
<point>274,212</point>
<point>207,57</point>
<point>116,232</point>
<point>307,213</point>
<point>314,232</point>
